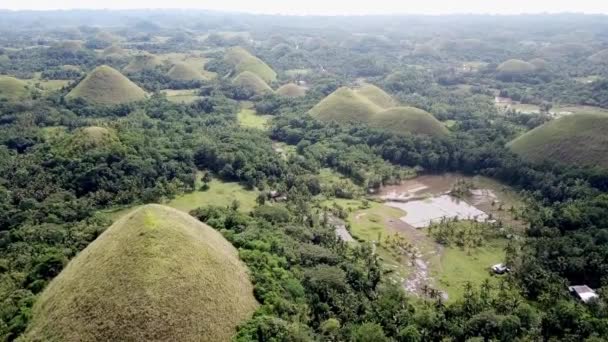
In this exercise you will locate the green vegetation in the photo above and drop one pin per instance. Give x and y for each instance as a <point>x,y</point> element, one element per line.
<point>157,273</point>
<point>185,72</point>
<point>12,89</point>
<point>515,67</point>
<point>182,95</point>
<point>252,83</point>
<point>106,86</point>
<point>291,90</point>
<point>574,140</point>
<point>222,194</point>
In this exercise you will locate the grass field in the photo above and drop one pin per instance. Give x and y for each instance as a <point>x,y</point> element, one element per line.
<point>219,194</point>
<point>182,95</point>
<point>106,86</point>
<point>156,274</point>
<point>457,266</point>
<point>248,118</point>
<point>578,139</point>
<point>12,89</point>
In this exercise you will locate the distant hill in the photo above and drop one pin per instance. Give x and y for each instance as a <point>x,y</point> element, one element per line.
<point>515,67</point>
<point>409,119</point>
<point>345,106</point>
<point>69,45</point>
<point>185,72</point>
<point>378,96</point>
<point>157,274</point>
<point>142,62</point>
<point>599,57</point>
<point>106,86</point>
<point>539,63</point>
<point>564,50</point>
<point>252,82</point>
<point>291,90</point>
<point>241,60</point>
<point>114,51</point>
<point>577,139</point>
<point>12,89</point>
<point>372,106</point>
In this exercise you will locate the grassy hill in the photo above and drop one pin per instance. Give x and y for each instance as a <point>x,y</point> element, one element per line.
<point>564,49</point>
<point>539,63</point>
<point>291,90</point>
<point>376,95</point>
<point>242,60</point>
<point>157,274</point>
<point>345,106</point>
<point>185,72</point>
<point>69,45</point>
<point>599,57</point>
<point>12,89</point>
<point>515,67</point>
<point>253,82</point>
<point>578,139</point>
<point>106,86</point>
<point>142,62</point>
<point>114,51</point>
<point>408,119</point>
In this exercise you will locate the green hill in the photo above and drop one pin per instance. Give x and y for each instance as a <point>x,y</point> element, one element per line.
<point>408,119</point>
<point>578,139</point>
<point>345,106</point>
<point>157,274</point>
<point>114,51</point>
<point>539,63</point>
<point>106,86</point>
<point>291,90</point>
<point>252,82</point>
<point>142,62</point>
<point>241,60</point>
<point>514,67</point>
<point>69,45</point>
<point>12,89</point>
<point>376,95</point>
<point>185,72</point>
<point>599,57</point>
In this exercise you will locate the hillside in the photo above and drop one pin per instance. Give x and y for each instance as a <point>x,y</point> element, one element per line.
<point>106,86</point>
<point>185,72</point>
<point>578,139</point>
<point>157,274</point>
<point>599,57</point>
<point>252,82</point>
<point>345,106</point>
<point>514,67</point>
<point>241,60</point>
<point>142,62</point>
<point>539,63</point>
<point>378,96</point>
<point>291,90</point>
<point>408,119</point>
<point>12,89</point>
<point>114,51</point>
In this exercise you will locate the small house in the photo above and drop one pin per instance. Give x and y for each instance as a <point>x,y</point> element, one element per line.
<point>583,292</point>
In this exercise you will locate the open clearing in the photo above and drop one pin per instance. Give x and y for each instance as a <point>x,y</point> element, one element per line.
<point>181,96</point>
<point>219,194</point>
<point>248,118</point>
<point>412,257</point>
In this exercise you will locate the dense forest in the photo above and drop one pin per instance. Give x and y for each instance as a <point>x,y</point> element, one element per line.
<point>66,161</point>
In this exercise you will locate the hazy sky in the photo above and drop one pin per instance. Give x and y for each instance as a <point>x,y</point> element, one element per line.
<point>331,6</point>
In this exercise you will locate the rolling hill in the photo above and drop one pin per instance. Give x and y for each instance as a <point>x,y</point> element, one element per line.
<point>539,63</point>
<point>515,67</point>
<point>577,139</point>
<point>142,62</point>
<point>185,72</point>
<point>378,96</point>
<point>114,51</point>
<point>599,57</point>
<point>241,60</point>
<point>345,106</point>
<point>408,119</point>
<point>291,90</point>
<point>106,86</point>
<point>12,89</point>
<point>157,274</point>
<point>372,106</point>
<point>252,82</point>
